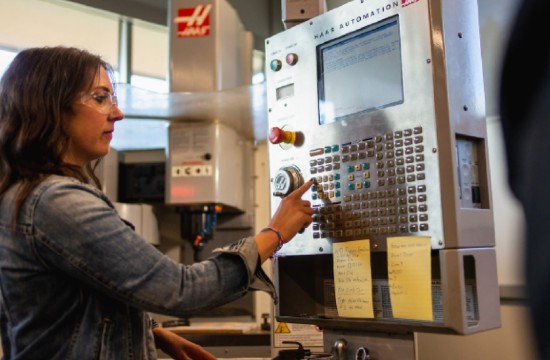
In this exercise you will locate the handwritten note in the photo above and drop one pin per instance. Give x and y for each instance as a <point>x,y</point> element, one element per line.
<point>409,275</point>
<point>352,279</point>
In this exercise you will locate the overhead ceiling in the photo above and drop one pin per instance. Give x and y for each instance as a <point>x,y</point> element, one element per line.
<point>154,11</point>
<point>261,17</point>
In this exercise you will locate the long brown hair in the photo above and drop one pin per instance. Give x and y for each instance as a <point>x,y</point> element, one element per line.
<point>37,92</point>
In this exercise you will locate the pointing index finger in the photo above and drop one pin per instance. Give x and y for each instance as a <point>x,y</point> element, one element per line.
<point>299,192</point>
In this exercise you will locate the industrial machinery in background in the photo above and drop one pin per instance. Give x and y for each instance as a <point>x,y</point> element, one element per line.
<point>382,103</point>
<point>134,202</point>
<point>209,178</point>
<point>208,172</point>
<point>200,185</point>
<point>295,12</point>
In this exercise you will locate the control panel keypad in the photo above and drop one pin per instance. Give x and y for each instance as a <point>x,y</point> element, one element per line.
<point>371,187</point>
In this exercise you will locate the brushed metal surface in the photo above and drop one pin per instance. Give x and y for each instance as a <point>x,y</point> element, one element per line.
<point>301,113</point>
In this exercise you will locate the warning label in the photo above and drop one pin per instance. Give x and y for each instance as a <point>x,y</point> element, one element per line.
<point>307,335</point>
<point>282,328</point>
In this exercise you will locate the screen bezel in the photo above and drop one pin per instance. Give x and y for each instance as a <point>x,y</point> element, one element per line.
<point>349,37</point>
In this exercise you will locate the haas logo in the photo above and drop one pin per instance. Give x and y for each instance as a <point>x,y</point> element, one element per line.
<point>405,3</point>
<point>193,22</point>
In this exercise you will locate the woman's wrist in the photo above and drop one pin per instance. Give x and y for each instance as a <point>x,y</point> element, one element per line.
<point>268,241</point>
<point>279,236</point>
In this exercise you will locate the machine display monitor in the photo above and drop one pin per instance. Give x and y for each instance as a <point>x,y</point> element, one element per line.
<point>360,72</point>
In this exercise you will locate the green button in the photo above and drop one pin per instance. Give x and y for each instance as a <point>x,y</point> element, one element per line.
<point>276,65</point>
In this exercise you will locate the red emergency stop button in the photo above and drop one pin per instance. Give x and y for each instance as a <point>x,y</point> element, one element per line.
<point>278,135</point>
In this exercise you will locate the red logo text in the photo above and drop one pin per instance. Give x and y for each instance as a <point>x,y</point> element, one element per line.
<point>405,3</point>
<point>193,22</point>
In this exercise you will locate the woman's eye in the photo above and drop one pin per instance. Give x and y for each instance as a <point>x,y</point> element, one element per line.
<point>99,98</point>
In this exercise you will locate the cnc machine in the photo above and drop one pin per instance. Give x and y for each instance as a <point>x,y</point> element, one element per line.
<point>382,103</point>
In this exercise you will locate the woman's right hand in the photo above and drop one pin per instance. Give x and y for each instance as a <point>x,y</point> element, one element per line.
<point>292,215</point>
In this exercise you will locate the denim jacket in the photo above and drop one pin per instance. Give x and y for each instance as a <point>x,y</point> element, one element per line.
<point>76,282</point>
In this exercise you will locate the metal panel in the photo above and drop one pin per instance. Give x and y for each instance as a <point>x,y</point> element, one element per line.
<point>380,345</point>
<point>209,50</point>
<point>207,163</point>
<point>301,113</point>
<point>410,166</point>
<point>426,109</point>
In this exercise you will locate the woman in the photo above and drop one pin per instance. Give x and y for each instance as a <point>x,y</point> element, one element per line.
<point>76,281</point>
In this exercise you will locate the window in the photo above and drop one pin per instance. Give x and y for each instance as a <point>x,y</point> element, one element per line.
<point>6,56</point>
<point>149,83</point>
<point>136,134</point>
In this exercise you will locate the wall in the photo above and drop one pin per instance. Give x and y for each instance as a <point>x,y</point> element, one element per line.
<point>27,23</point>
<point>495,20</point>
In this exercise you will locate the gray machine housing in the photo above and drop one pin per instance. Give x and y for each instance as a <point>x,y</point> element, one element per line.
<point>426,150</point>
<point>208,162</point>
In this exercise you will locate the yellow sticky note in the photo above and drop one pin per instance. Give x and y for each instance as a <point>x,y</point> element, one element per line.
<point>352,279</point>
<point>409,277</point>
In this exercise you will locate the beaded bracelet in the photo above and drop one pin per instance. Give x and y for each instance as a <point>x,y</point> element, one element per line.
<point>279,235</point>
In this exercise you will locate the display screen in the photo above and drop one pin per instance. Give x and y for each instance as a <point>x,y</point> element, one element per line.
<point>360,72</point>
<point>285,91</point>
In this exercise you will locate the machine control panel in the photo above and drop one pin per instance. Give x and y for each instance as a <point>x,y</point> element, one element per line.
<point>396,140</point>
<point>364,100</point>
<point>372,187</point>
